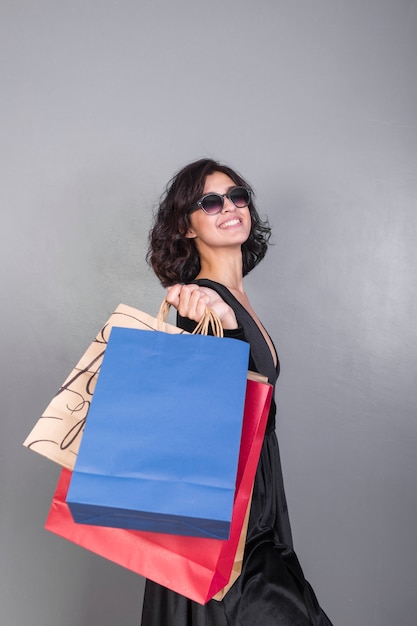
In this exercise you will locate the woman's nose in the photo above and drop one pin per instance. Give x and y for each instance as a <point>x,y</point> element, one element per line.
<point>228,205</point>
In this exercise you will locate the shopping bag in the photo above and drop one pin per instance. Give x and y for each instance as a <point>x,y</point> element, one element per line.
<point>161,444</point>
<point>57,433</point>
<point>194,567</point>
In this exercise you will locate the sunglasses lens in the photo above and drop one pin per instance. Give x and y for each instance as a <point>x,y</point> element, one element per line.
<point>212,204</point>
<point>239,196</point>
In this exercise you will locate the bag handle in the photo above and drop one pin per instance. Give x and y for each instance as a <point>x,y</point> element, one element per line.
<point>210,318</point>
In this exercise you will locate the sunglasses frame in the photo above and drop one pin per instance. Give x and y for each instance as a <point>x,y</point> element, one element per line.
<point>222,196</point>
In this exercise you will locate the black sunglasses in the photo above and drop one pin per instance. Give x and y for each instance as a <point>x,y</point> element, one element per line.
<point>213,203</point>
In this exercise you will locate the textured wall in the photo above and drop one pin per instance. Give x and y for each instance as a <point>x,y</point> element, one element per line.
<point>314,101</point>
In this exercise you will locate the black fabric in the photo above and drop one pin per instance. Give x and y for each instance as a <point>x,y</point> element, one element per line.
<point>271,590</point>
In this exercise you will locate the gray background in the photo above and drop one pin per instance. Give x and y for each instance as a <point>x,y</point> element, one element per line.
<point>314,101</point>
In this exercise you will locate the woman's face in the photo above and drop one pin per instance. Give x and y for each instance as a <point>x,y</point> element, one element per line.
<point>230,227</point>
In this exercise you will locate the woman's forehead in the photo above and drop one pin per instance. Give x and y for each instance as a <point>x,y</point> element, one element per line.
<point>218,182</point>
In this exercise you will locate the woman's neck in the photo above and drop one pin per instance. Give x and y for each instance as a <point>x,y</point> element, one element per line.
<point>223,265</point>
<point>228,274</point>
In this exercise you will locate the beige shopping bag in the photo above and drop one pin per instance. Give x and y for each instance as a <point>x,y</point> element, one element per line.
<point>57,433</point>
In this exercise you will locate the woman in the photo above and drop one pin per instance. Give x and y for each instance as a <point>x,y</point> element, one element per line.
<point>206,237</point>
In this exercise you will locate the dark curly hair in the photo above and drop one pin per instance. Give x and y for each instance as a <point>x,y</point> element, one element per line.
<point>174,257</point>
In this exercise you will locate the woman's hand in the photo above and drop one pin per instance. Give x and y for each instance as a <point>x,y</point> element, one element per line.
<point>191,301</point>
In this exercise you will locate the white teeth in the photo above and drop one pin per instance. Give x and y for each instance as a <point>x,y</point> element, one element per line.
<point>230,223</point>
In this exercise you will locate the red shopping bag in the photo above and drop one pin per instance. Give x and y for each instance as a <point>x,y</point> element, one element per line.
<point>195,567</point>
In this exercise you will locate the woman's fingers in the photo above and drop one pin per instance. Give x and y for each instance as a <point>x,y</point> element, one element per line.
<point>191,301</point>
<point>173,295</point>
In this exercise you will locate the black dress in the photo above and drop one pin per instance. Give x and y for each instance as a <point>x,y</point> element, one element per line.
<point>272,590</point>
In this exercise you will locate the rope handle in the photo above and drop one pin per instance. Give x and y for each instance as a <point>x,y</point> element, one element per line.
<point>210,318</point>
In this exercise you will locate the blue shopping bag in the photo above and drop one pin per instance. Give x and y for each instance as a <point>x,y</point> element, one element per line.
<point>161,443</point>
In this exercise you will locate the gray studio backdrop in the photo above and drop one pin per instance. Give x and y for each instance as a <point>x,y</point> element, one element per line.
<point>314,101</point>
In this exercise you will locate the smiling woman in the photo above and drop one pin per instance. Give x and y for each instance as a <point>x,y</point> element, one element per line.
<point>174,256</point>
<point>206,237</point>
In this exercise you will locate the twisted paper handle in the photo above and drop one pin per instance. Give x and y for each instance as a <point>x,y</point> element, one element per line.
<point>210,318</point>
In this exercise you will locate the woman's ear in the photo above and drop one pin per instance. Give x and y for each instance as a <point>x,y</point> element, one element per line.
<point>190,234</point>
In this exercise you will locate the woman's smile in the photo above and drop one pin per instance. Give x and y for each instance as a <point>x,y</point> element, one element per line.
<point>231,223</point>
